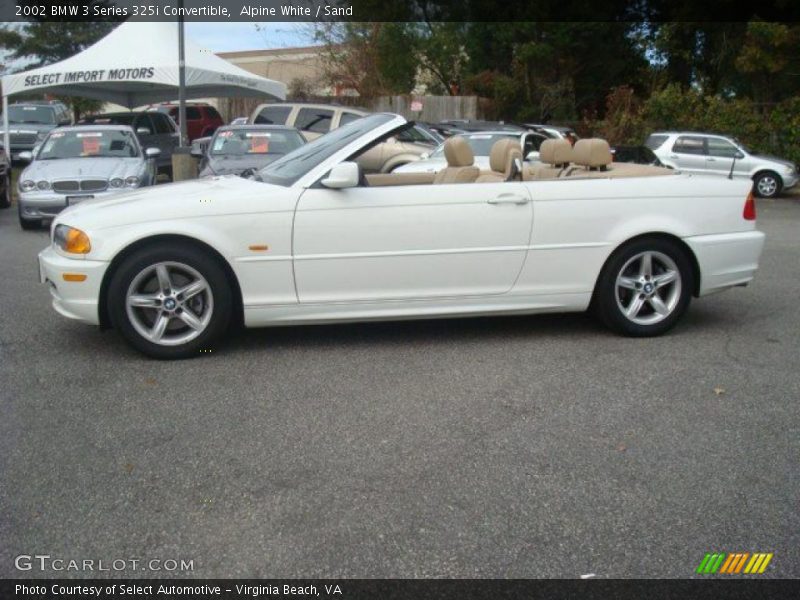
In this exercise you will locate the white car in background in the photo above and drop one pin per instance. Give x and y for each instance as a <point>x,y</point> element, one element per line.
<point>710,154</point>
<point>481,143</point>
<point>312,239</point>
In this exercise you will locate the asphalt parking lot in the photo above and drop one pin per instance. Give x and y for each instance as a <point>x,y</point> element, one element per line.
<point>507,447</point>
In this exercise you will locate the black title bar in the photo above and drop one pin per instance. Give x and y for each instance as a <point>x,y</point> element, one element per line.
<point>399,10</point>
<point>400,589</point>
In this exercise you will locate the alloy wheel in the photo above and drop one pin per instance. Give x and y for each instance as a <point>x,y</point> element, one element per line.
<point>766,186</point>
<point>169,303</point>
<point>648,288</point>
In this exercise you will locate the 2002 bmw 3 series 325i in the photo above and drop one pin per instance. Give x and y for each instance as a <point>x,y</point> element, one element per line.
<point>311,239</point>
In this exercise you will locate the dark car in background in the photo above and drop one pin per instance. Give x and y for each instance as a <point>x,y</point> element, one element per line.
<point>154,130</point>
<point>30,122</point>
<point>242,149</point>
<point>202,119</point>
<point>5,179</point>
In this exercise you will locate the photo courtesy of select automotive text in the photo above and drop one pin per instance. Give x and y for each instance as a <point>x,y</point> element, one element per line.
<point>399,300</point>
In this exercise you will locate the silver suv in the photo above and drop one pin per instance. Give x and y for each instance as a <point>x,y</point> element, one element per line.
<point>711,154</point>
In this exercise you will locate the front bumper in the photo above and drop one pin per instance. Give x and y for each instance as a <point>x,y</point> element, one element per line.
<point>74,300</point>
<point>726,260</point>
<point>790,180</point>
<point>39,205</point>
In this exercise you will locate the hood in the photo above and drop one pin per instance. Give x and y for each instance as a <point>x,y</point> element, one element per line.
<point>234,165</point>
<point>83,168</point>
<point>224,195</point>
<point>27,127</point>
<point>780,161</point>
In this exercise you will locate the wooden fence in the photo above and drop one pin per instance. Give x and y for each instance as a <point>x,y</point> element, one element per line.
<point>434,108</point>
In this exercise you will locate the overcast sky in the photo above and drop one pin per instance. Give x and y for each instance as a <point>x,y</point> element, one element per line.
<point>225,37</point>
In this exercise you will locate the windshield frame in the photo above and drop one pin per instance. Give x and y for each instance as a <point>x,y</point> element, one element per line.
<point>252,130</point>
<point>89,129</point>
<point>36,108</point>
<point>371,127</point>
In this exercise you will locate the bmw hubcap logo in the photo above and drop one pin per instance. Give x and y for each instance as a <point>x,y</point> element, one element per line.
<point>169,304</point>
<point>648,288</point>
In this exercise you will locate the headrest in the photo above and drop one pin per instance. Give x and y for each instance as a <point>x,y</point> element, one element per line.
<point>555,152</point>
<point>591,152</point>
<point>503,151</point>
<point>458,152</point>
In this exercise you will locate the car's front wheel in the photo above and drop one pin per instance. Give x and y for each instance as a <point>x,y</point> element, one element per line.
<point>645,287</point>
<point>170,301</point>
<point>767,184</point>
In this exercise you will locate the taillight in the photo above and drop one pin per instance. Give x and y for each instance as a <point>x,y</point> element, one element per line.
<point>749,212</point>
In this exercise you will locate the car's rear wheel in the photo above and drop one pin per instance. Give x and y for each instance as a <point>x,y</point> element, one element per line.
<point>645,287</point>
<point>27,224</point>
<point>767,184</point>
<point>170,301</point>
<point>5,197</point>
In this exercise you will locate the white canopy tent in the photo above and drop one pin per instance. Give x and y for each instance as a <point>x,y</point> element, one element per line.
<point>137,64</point>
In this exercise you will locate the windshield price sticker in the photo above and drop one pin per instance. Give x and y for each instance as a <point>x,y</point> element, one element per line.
<point>90,134</point>
<point>91,146</point>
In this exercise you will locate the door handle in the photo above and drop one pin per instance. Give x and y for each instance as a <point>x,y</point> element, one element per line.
<point>709,159</point>
<point>509,199</point>
<point>673,156</point>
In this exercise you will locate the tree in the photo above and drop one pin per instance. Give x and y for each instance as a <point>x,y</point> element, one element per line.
<point>365,57</point>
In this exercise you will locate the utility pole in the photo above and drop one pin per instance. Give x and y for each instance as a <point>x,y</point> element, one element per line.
<point>181,78</point>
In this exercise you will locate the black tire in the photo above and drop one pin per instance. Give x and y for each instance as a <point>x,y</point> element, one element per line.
<point>609,301</point>
<point>28,224</point>
<point>180,254</point>
<point>5,197</point>
<point>767,184</point>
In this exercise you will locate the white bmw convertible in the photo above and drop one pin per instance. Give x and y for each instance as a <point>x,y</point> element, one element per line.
<point>311,239</point>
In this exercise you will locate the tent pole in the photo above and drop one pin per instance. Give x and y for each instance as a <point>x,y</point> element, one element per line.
<point>181,78</point>
<point>6,134</point>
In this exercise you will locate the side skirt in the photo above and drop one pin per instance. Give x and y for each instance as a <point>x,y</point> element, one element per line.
<point>273,315</point>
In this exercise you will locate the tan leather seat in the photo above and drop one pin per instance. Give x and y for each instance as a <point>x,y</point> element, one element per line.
<point>504,158</point>
<point>556,156</point>
<point>590,154</point>
<point>460,162</point>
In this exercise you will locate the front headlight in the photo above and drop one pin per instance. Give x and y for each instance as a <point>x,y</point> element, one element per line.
<point>43,185</point>
<point>132,181</point>
<point>71,240</point>
<point>116,182</point>
<point>27,185</point>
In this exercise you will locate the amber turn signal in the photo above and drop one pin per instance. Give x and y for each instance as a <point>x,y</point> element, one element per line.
<point>72,240</point>
<point>74,277</point>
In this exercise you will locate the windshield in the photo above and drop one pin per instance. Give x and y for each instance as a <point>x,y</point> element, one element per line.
<point>43,115</point>
<point>89,144</point>
<point>742,147</point>
<point>481,143</point>
<point>247,142</point>
<point>288,169</point>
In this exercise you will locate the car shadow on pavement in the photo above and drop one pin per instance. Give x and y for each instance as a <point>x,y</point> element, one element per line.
<point>429,331</point>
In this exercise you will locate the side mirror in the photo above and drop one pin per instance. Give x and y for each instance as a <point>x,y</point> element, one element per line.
<point>26,156</point>
<point>738,155</point>
<point>344,175</point>
<point>532,155</point>
<point>143,131</point>
<point>152,153</point>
